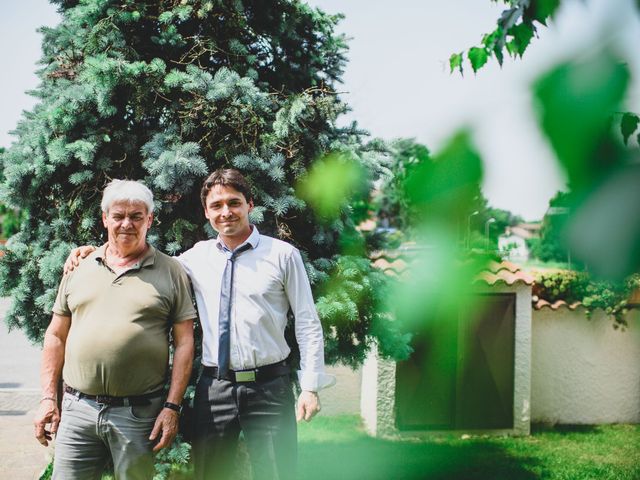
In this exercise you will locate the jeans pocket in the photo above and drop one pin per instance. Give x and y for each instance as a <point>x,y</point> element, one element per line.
<point>68,401</point>
<point>147,412</point>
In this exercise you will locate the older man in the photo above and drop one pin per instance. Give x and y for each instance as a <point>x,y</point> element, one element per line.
<point>110,329</point>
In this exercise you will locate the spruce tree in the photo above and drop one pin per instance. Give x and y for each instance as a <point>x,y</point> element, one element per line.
<point>166,91</point>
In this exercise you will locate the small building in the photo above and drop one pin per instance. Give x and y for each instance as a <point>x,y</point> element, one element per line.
<point>516,360</point>
<point>470,374</point>
<point>513,242</point>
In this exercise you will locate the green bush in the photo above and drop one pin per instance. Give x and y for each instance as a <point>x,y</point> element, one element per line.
<point>571,286</point>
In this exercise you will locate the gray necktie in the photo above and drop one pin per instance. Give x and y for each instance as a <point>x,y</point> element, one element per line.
<point>224,314</point>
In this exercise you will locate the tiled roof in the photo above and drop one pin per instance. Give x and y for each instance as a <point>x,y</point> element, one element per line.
<point>396,263</point>
<point>504,272</point>
<point>539,304</point>
<point>395,268</point>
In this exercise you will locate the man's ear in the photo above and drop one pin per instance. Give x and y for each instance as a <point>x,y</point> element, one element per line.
<point>104,219</point>
<point>150,220</point>
<point>250,205</point>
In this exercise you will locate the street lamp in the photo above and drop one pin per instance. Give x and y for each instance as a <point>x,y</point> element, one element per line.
<point>486,232</point>
<point>469,229</point>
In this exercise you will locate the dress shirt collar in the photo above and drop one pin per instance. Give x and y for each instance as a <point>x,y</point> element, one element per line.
<point>253,240</point>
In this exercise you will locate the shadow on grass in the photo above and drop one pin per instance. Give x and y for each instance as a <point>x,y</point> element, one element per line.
<point>351,454</point>
<point>546,428</point>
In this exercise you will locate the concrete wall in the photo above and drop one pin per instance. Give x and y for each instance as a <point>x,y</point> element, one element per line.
<point>584,371</point>
<point>378,396</point>
<point>522,356</point>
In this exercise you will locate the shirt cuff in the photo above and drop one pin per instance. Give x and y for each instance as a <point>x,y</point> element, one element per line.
<point>315,381</point>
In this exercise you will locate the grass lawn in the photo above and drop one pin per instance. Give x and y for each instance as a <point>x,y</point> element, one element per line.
<point>337,447</point>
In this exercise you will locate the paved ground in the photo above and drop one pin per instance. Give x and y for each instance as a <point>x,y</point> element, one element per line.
<point>23,458</point>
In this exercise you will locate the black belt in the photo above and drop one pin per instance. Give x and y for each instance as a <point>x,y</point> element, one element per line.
<point>135,400</point>
<point>259,374</point>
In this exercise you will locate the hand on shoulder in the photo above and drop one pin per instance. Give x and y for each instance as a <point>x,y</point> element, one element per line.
<point>76,256</point>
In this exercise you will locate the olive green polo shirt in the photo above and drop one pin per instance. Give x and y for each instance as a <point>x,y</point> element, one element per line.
<point>118,342</point>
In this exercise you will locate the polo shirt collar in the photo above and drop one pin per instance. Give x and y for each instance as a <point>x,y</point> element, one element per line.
<point>253,240</point>
<point>147,259</point>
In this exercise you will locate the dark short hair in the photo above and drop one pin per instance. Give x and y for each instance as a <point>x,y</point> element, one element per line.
<point>227,177</point>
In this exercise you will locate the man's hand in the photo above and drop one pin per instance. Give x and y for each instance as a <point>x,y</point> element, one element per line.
<point>77,254</point>
<point>48,414</point>
<point>167,423</point>
<point>308,405</point>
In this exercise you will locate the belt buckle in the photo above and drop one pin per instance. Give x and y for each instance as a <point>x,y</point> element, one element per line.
<point>103,399</point>
<point>246,376</point>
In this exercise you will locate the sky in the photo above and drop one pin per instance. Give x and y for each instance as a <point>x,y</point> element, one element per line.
<point>398,84</point>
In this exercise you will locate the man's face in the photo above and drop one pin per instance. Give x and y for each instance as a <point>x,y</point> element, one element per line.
<point>127,224</point>
<point>228,212</point>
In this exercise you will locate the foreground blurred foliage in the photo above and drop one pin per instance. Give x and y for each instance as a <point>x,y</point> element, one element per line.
<point>576,101</point>
<point>337,447</point>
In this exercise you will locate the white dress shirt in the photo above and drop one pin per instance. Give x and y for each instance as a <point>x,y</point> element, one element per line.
<point>269,280</point>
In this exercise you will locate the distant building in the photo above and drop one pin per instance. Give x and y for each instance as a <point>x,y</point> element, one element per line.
<point>513,242</point>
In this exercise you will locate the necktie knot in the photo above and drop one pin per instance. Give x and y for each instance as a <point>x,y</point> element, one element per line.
<point>239,250</point>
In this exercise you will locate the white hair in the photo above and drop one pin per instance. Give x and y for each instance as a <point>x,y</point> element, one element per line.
<point>126,191</point>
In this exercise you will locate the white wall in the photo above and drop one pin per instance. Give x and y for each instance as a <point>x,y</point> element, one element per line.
<point>584,371</point>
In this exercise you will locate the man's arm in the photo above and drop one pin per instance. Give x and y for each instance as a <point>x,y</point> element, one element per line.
<point>55,340</point>
<point>167,421</point>
<point>308,331</point>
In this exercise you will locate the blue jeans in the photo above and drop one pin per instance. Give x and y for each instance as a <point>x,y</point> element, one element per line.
<point>90,433</point>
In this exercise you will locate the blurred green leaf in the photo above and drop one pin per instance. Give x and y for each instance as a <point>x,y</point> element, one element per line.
<point>438,283</point>
<point>331,182</point>
<point>442,190</point>
<point>605,230</point>
<point>478,57</point>
<point>575,102</point>
<point>628,125</point>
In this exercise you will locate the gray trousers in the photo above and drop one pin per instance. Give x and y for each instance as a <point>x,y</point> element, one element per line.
<point>90,432</point>
<point>263,411</point>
